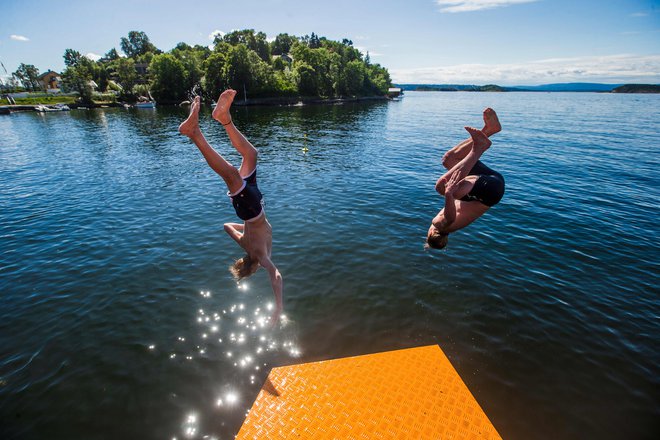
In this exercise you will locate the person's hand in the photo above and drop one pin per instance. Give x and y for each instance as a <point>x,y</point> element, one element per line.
<point>440,185</point>
<point>452,184</point>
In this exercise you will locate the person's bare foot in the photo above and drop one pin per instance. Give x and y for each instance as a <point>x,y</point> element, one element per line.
<point>221,110</point>
<point>191,125</point>
<point>491,122</point>
<point>481,141</point>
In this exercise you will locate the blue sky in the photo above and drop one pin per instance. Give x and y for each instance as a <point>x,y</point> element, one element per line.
<point>504,42</point>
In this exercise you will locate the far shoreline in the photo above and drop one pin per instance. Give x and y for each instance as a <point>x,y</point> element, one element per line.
<point>296,101</point>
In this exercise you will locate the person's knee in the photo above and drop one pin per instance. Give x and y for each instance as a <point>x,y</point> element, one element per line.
<point>448,160</point>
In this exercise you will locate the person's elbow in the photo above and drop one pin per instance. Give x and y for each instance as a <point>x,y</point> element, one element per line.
<point>277,277</point>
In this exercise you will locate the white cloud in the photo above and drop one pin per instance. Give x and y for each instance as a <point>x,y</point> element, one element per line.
<point>639,14</point>
<point>216,33</point>
<point>607,69</point>
<point>476,5</point>
<point>92,56</point>
<point>19,38</point>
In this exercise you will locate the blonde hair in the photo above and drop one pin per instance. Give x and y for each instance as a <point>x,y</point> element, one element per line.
<point>244,267</point>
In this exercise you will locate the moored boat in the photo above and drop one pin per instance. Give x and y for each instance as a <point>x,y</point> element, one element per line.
<point>146,104</point>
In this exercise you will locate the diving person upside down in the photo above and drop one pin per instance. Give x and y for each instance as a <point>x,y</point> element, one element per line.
<point>469,187</point>
<point>255,234</point>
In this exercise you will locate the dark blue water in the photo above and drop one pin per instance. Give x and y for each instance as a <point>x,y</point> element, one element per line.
<point>119,319</point>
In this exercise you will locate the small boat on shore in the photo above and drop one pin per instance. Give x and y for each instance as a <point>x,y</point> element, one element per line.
<point>146,104</point>
<point>56,108</point>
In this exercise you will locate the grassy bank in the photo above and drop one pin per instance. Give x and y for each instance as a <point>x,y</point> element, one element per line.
<point>47,99</point>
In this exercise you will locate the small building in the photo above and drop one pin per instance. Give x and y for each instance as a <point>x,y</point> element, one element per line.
<point>142,70</point>
<point>284,57</point>
<point>394,92</point>
<point>50,81</point>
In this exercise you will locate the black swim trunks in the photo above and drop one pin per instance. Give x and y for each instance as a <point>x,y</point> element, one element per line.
<point>247,201</point>
<point>489,187</point>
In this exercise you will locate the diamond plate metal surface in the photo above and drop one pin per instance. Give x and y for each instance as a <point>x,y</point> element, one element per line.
<point>404,394</point>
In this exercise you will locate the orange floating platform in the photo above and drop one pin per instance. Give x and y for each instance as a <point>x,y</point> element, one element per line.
<point>404,394</point>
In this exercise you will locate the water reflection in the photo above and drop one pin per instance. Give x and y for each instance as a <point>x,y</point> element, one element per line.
<point>243,342</point>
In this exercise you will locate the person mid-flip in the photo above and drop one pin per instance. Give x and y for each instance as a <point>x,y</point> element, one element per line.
<point>255,234</point>
<point>470,188</point>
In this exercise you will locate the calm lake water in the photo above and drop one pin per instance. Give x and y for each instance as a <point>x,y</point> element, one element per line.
<point>119,319</point>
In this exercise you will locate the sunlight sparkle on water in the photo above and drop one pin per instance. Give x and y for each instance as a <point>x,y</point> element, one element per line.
<point>245,339</point>
<point>190,426</point>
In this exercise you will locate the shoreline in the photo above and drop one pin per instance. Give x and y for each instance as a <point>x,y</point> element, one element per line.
<point>296,101</point>
<point>306,100</point>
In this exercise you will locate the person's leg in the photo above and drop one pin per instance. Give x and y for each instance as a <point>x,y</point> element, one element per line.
<point>190,127</point>
<point>242,145</point>
<point>479,144</point>
<point>455,155</point>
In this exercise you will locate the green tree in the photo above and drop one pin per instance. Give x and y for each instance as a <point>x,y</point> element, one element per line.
<point>192,59</point>
<point>256,42</point>
<point>314,42</point>
<point>320,60</point>
<point>72,57</point>
<point>354,74</point>
<point>77,77</point>
<point>261,81</point>
<point>168,78</point>
<point>282,44</point>
<point>126,76</point>
<point>111,55</point>
<point>378,79</point>
<point>28,75</point>
<point>279,64</point>
<point>215,78</point>
<point>238,67</point>
<point>307,79</point>
<point>137,44</point>
<point>285,82</point>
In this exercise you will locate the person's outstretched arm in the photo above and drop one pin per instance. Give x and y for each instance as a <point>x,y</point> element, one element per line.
<point>448,215</point>
<point>277,284</point>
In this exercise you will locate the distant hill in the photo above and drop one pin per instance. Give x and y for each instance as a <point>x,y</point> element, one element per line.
<point>560,87</point>
<point>638,88</point>
<point>452,88</point>
<point>569,87</point>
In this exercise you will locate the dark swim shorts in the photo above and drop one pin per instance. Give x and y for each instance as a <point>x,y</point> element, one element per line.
<point>489,187</point>
<point>247,201</point>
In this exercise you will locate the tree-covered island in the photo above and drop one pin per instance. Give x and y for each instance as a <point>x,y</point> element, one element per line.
<point>245,60</point>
